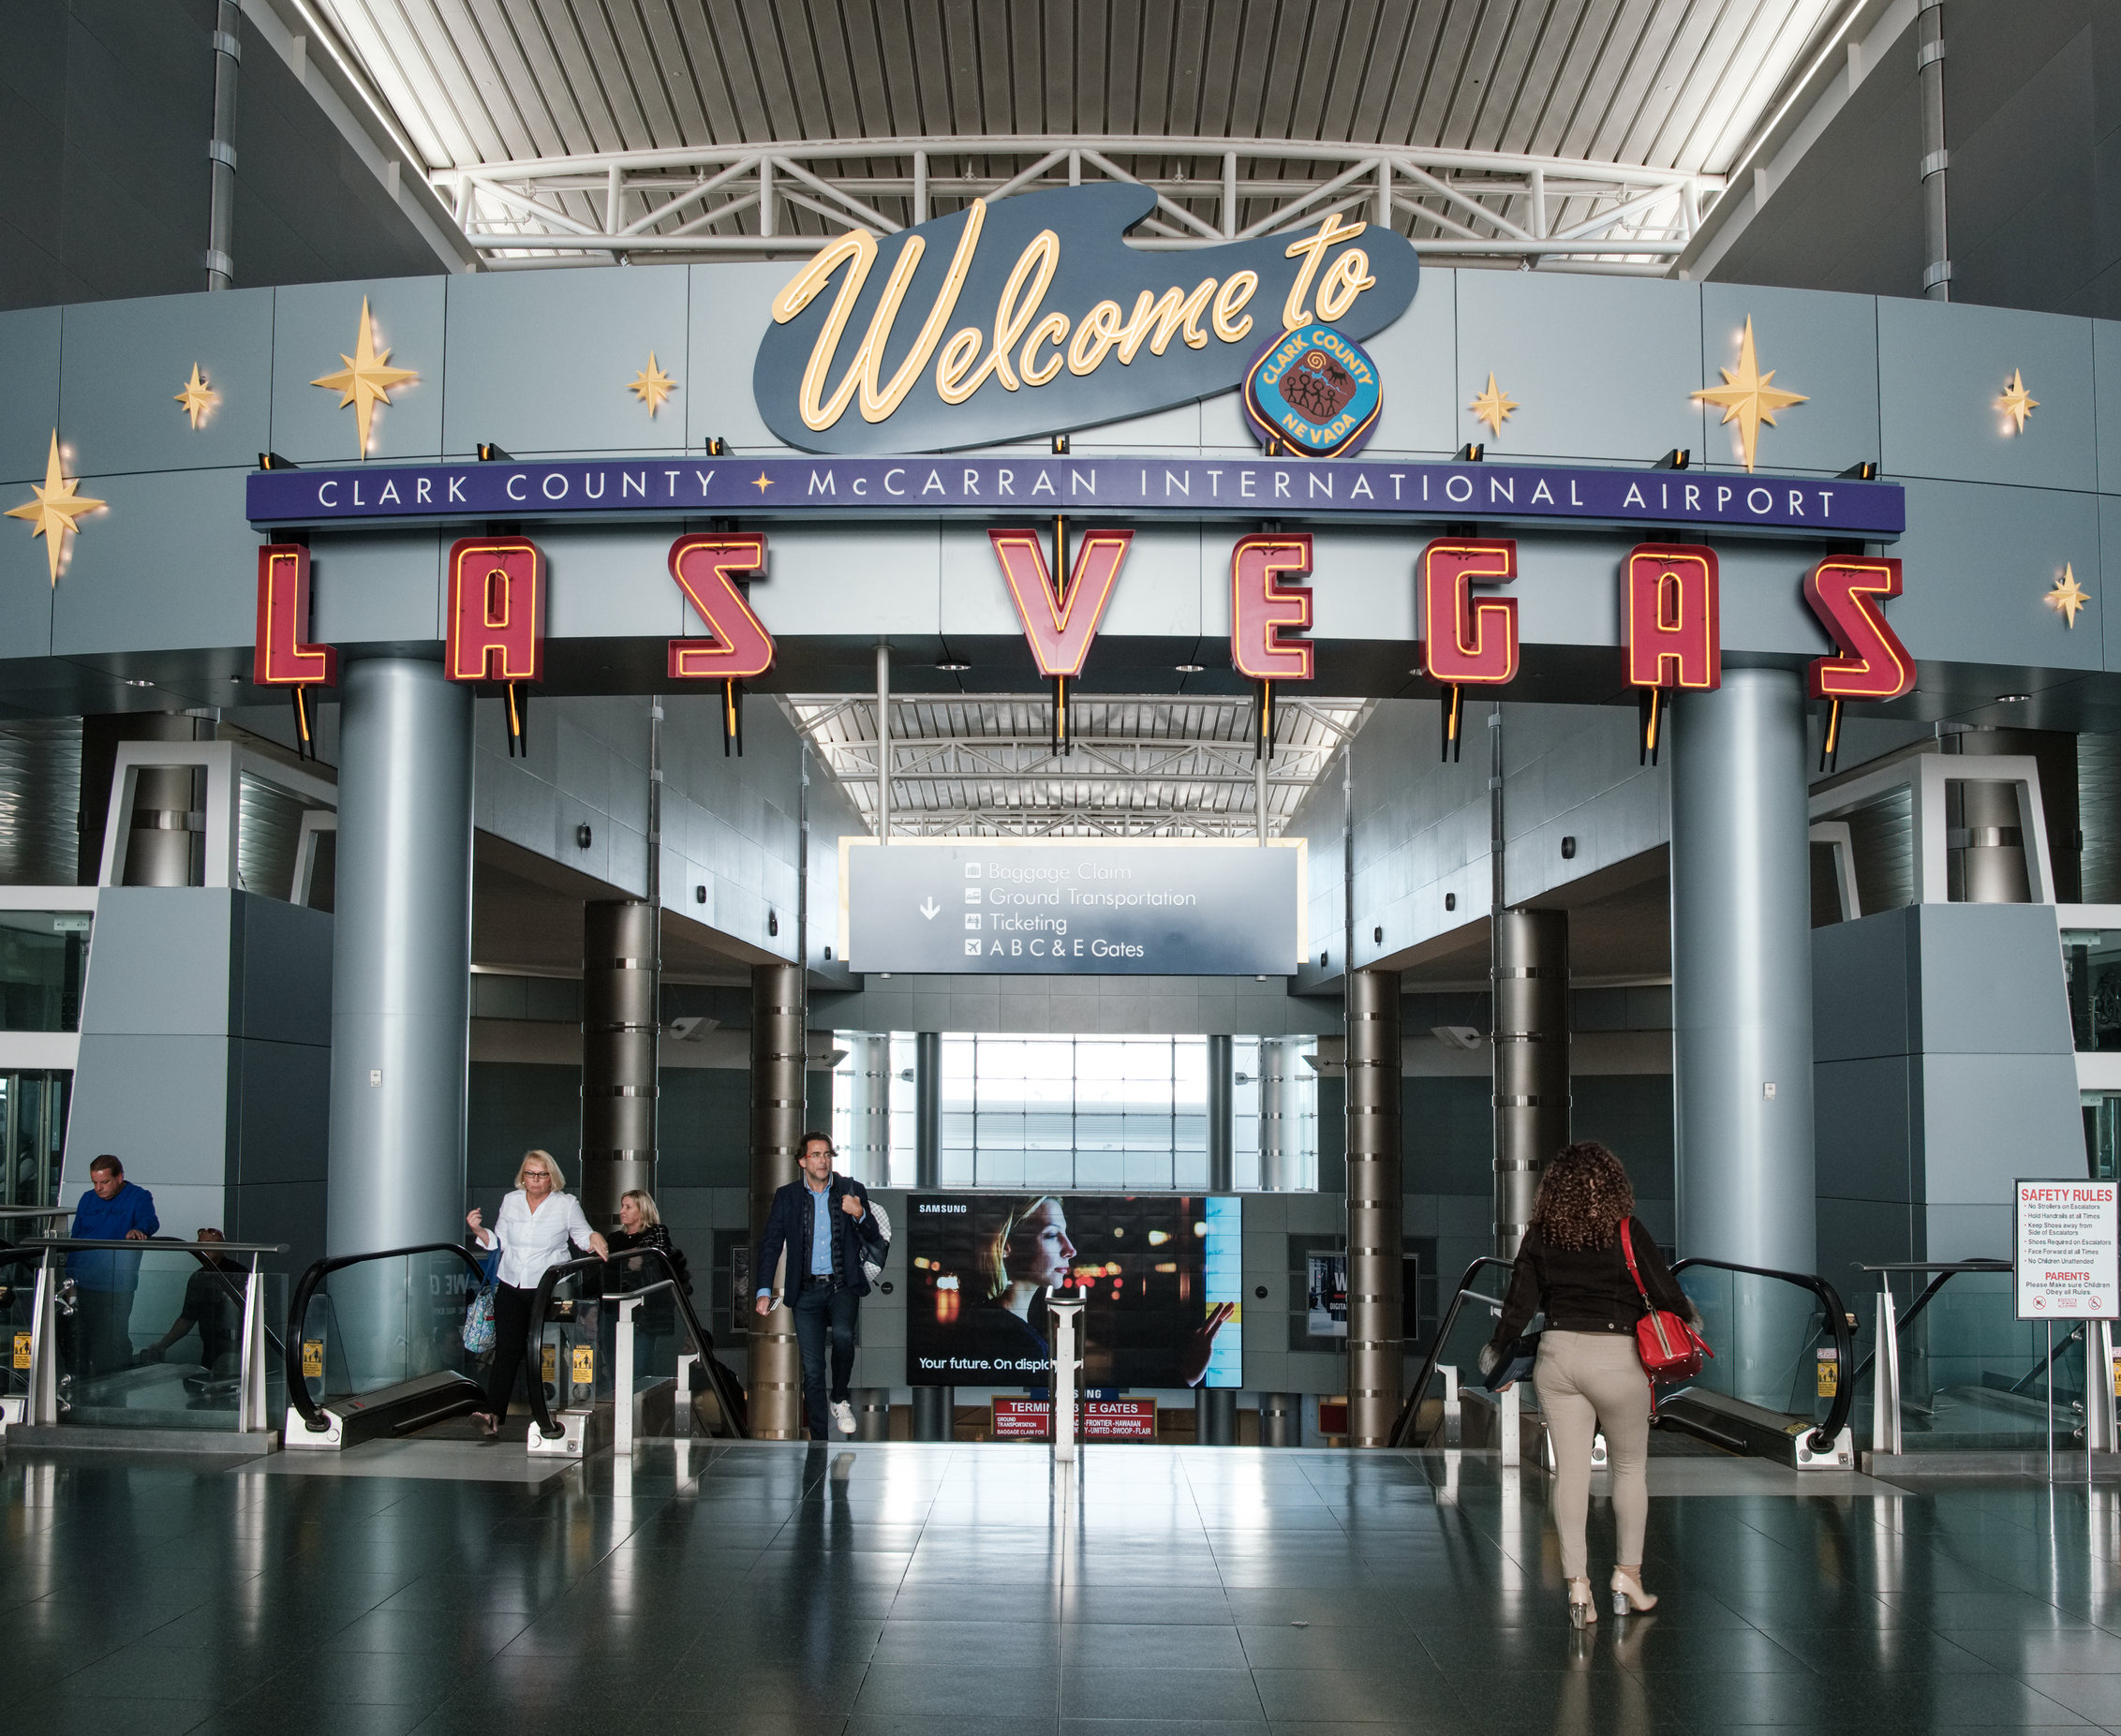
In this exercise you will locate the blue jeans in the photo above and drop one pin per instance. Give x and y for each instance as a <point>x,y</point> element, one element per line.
<point>820,1310</point>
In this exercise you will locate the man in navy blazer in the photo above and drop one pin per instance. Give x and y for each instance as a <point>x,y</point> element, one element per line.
<point>824,1224</point>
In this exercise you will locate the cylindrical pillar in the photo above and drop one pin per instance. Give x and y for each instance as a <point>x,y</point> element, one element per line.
<point>1530,1061</point>
<point>775,1366</point>
<point>872,1413</point>
<point>221,148</point>
<point>934,1413</point>
<point>1215,1415</point>
<point>401,957</point>
<point>1929,74</point>
<point>621,976</point>
<point>1281,1419</point>
<point>1280,1135</point>
<point>869,1116</point>
<point>1986,843</point>
<point>883,766</point>
<point>1374,1238</point>
<point>165,844</point>
<point>928,1110</point>
<point>1222,1124</point>
<point>2061,808</point>
<point>1741,972</point>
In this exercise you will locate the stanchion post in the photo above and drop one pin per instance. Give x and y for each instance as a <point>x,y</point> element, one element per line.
<point>1885,1375</point>
<point>622,1377</point>
<point>250,1392</point>
<point>1067,1319</point>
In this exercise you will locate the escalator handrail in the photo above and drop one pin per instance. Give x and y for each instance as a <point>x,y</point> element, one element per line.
<point>1946,1271</point>
<point>1823,1437</point>
<point>702,1341</point>
<point>306,1287</point>
<point>1404,1426</point>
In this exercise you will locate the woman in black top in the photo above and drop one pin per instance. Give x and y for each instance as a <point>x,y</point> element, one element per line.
<point>641,1225</point>
<point>1572,1266</point>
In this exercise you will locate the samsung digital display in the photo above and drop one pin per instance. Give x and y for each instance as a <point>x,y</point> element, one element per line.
<point>1161,1274</point>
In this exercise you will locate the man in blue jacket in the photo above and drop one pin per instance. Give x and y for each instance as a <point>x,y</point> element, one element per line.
<point>112,1209</point>
<point>824,1224</point>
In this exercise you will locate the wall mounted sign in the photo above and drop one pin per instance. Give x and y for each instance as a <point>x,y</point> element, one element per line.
<point>1059,626</point>
<point>1674,615</point>
<point>1359,489</point>
<point>990,906</point>
<point>1312,393</point>
<point>888,346</point>
<point>282,657</point>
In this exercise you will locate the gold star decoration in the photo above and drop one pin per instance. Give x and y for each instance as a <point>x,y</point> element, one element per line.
<point>2068,596</point>
<point>762,481</point>
<point>366,382</point>
<point>55,509</point>
<point>1492,406</point>
<point>651,385</point>
<point>2017,403</point>
<point>1746,398</point>
<point>196,397</point>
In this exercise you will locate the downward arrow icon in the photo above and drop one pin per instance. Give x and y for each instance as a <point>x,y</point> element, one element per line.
<point>929,909</point>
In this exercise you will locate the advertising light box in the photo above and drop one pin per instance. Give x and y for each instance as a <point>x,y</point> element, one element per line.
<point>1162,1276</point>
<point>998,907</point>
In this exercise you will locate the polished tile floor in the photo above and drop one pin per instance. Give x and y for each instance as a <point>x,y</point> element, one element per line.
<point>791,1591</point>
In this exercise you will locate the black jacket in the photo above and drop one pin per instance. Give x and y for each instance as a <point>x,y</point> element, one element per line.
<point>1584,1290</point>
<point>789,1225</point>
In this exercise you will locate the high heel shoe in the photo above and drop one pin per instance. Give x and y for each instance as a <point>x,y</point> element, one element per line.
<point>1582,1610</point>
<point>1628,1590</point>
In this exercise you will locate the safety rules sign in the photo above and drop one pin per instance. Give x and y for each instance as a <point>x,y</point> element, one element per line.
<point>2066,1250</point>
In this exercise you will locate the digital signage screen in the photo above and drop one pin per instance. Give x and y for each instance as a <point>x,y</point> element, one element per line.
<point>1162,1276</point>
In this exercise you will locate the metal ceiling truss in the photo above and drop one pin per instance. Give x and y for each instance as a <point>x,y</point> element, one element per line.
<point>787,201</point>
<point>986,767</point>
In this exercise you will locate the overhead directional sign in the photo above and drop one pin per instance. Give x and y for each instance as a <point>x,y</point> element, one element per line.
<point>1090,907</point>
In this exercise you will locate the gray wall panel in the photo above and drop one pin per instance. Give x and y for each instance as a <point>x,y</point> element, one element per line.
<point>860,583</point>
<point>1990,1118</point>
<point>159,963</point>
<point>613,582</point>
<point>29,409</point>
<point>1992,980</point>
<point>1865,1140</point>
<point>277,1092</point>
<point>284,977</point>
<point>1825,346</point>
<point>591,331</point>
<point>314,326</point>
<point>376,587</point>
<point>730,312</point>
<point>118,386</point>
<point>172,564</point>
<point>1871,1010</point>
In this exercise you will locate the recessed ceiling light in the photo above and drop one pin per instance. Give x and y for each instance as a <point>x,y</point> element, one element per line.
<point>132,681</point>
<point>954,669</point>
<point>2012,699</point>
<point>1191,669</point>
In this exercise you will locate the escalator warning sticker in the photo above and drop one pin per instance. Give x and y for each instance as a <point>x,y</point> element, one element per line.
<point>313,1359</point>
<point>549,1364</point>
<point>1830,1372</point>
<point>22,1350</point>
<point>584,1364</point>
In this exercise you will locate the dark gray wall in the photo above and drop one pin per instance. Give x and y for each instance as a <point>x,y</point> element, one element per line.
<point>2032,105</point>
<point>106,107</point>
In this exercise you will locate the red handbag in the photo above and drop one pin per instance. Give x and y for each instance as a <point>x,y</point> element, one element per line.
<point>1672,1350</point>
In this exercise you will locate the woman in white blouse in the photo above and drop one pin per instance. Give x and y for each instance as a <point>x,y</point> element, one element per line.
<point>533,1227</point>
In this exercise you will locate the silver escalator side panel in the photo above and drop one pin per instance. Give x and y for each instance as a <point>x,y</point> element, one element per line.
<point>388,1411</point>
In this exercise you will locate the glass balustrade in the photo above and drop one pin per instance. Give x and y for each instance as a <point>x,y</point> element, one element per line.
<point>1773,1340</point>
<point>378,1322</point>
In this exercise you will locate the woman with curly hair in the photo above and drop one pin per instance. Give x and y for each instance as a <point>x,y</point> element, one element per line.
<point>1572,1266</point>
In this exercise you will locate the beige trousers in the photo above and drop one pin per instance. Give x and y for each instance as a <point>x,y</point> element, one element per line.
<point>1589,1381</point>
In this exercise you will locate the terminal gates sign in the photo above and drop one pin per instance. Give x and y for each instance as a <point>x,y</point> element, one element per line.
<point>998,907</point>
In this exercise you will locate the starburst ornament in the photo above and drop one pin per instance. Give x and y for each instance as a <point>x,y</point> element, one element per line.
<point>1746,398</point>
<point>196,397</point>
<point>651,385</point>
<point>1492,406</point>
<point>52,513</point>
<point>2068,596</point>
<point>2017,403</point>
<point>366,382</point>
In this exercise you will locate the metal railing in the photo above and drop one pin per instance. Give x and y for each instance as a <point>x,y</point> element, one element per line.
<point>1823,1437</point>
<point>312,1280</point>
<point>1404,1428</point>
<point>729,1395</point>
<point>39,1407</point>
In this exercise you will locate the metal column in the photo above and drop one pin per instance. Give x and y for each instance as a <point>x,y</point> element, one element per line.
<point>1280,1131</point>
<point>867,1156</point>
<point>221,148</point>
<point>1222,1126</point>
<point>1929,72</point>
<point>934,1413</point>
<point>928,1110</point>
<point>401,957</point>
<point>1374,1238</point>
<point>774,1368</point>
<point>1741,972</point>
<point>621,973</point>
<point>1281,1419</point>
<point>1215,1415</point>
<point>1530,1061</point>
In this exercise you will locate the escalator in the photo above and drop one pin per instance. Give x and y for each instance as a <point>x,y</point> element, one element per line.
<point>1778,1389</point>
<point>380,1339</point>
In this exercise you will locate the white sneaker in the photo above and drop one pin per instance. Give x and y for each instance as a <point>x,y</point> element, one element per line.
<point>843,1417</point>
